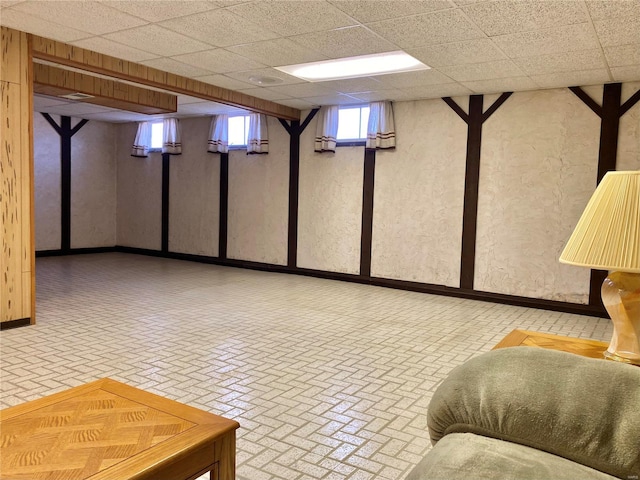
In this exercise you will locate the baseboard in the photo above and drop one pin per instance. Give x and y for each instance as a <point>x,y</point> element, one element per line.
<point>21,322</point>
<point>74,251</point>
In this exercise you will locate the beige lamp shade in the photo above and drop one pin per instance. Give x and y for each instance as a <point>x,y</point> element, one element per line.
<point>607,236</point>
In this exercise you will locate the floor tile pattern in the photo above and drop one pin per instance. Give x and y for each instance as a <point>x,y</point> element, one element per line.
<point>329,380</point>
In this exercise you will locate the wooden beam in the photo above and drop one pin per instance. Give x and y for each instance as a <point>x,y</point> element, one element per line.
<point>72,56</point>
<point>48,80</point>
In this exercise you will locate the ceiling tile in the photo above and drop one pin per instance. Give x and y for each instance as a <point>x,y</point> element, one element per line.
<point>109,47</point>
<point>623,55</point>
<point>265,93</point>
<point>173,66</point>
<point>8,3</point>
<point>219,28</point>
<point>161,9</point>
<point>499,85</point>
<point>587,77</point>
<point>366,11</point>
<point>44,101</point>
<point>629,73</point>
<point>77,109</point>
<point>206,108</point>
<point>335,99</point>
<point>293,17</point>
<point>281,51</point>
<point>186,99</point>
<point>116,117</point>
<point>599,9</point>
<point>86,16</point>
<point>351,85</point>
<point>507,16</point>
<point>158,40</point>
<point>437,91</point>
<point>618,31</point>
<point>561,62</point>
<point>265,72</point>
<point>482,71</point>
<point>302,90</point>
<point>569,38</point>
<point>345,42</point>
<point>380,95</point>
<point>225,82</point>
<point>429,29</point>
<point>413,79</point>
<point>219,61</point>
<point>458,53</point>
<point>38,26</point>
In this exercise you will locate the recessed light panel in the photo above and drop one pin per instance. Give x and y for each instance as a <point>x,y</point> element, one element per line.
<point>354,67</point>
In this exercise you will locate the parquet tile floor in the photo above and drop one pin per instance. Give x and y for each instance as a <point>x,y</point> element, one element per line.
<point>329,380</point>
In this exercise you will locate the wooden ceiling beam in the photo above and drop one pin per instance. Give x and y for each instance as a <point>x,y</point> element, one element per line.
<point>53,81</point>
<point>72,56</point>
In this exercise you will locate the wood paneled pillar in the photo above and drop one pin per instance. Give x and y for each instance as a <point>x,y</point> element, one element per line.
<point>17,253</point>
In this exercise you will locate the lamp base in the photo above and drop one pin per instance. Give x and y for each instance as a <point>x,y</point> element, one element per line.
<point>621,298</point>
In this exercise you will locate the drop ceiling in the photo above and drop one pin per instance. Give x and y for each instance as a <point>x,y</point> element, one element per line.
<point>472,46</point>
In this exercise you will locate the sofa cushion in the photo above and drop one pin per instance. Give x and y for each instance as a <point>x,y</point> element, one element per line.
<point>462,456</point>
<point>582,409</point>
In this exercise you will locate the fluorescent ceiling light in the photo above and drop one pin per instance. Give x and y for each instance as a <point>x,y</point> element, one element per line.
<point>353,67</point>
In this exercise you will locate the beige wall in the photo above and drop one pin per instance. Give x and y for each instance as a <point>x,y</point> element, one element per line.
<point>93,185</point>
<point>139,199</point>
<point>329,206</point>
<point>46,157</point>
<point>419,194</point>
<point>194,193</point>
<point>538,170</point>
<point>258,201</point>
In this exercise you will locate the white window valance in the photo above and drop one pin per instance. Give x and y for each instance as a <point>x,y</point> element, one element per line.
<point>258,138</point>
<point>171,137</point>
<point>326,129</point>
<point>219,134</point>
<point>381,131</point>
<point>142,141</point>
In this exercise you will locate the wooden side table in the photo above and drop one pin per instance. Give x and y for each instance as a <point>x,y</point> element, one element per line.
<point>107,430</point>
<point>579,346</point>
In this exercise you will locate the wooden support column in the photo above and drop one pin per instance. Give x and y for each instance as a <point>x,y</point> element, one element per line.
<point>17,253</point>
<point>474,120</point>
<point>224,206</point>
<point>366,235</point>
<point>609,113</point>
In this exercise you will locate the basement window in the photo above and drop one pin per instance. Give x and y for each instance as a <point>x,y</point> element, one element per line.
<point>238,131</point>
<point>352,126</point>
<point>156,137</point>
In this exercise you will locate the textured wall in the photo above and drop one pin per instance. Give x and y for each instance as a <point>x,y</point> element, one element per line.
<point>46,158</point>
<point>538,170</point>
<point>139,206</point>
<point>258,201</point>
<point>194,193</point>
<point>629,136</point>
<point>93,185</point>
<point>329,206</point>
<point>419,194</point>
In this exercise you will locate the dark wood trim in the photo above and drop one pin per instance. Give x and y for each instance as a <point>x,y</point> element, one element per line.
<point>631,101</point>
<point>307,120</point>
<point>588,101</point>
<point>609,128</point>
<point>495,105</point>
<point>538,303</point>
<point>166,165</point>
<point>286,126</point>
<point>21,322</point>
<point>471,188</point>
<point>78,126</point>
<point>294,186</point>
<point>74,251</point>
<point>355,143</point>
<point>224,205</point>
<point>368,184</point>
<point>65,183</point>
<point>456,108</point>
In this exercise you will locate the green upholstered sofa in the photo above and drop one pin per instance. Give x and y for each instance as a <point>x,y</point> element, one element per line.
<point>527,413</point>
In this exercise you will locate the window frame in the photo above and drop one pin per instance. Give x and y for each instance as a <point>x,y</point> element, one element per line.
<point>353,142</point>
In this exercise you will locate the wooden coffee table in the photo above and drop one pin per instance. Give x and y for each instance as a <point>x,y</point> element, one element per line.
<point>107,430</point>
<point>579,346</point>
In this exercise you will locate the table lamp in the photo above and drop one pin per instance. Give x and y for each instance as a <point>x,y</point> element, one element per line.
<point>607,237</point>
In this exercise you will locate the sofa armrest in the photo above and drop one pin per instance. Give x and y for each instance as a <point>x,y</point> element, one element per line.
<point>582,409</point>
